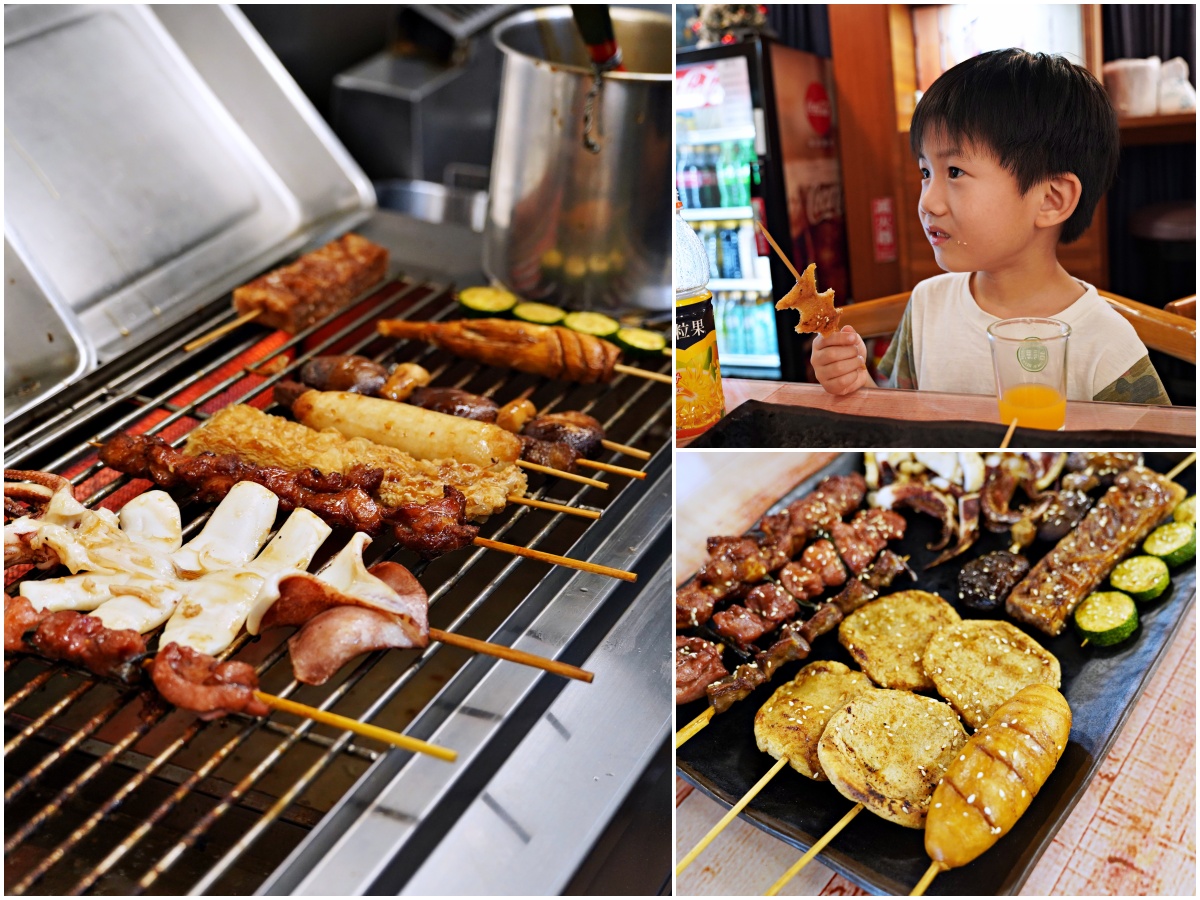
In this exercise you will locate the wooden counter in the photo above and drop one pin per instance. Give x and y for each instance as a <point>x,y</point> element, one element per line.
<point>931,406</point>
<point>1134,829</point>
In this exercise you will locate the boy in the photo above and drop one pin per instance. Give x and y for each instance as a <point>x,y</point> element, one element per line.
<point>1015,149</point>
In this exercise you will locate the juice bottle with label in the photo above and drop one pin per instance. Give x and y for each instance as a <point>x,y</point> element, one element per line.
<point>699,398</point>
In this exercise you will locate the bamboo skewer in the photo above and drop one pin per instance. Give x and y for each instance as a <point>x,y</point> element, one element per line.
<point>540,556</point>
<point>927,878</point>
<point>223,330</point>
<point>1008,434</point>
<point>692,728</point>
<point>770,240</point>
<point>556,507</point>
<point>814,850</point>
<point>518,656</point>
<point>729,816</point>
<point>643,373</point>
<point>360,728</point>
<point>609,467</point>
<point>1184,463</point>
<point>559,473</point>
<point>626,449</point>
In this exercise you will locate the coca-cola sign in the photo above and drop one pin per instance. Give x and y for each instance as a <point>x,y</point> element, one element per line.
<point>818,108</point>
<point>698,86</point>
<point>823,201</point>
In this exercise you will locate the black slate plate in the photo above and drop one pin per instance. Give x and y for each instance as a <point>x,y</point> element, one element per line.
<point>759,424</point>
<point>1101,686</point>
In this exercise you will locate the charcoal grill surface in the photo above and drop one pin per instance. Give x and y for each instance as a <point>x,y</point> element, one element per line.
<point>107,794</point>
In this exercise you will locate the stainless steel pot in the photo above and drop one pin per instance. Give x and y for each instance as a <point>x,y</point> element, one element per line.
<point>588,230</point>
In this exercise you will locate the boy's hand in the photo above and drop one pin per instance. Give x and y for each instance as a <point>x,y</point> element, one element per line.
<point>839,360</point>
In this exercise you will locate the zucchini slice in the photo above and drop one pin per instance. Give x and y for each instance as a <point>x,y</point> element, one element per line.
<point>1185,512</point>
<point>486,302</point>
<point>641,341</point>
<point>1106,618</point>
<point>1175,542</point>
<point>1141,577</point>
<point>538,313</point>
<point>595,324</point>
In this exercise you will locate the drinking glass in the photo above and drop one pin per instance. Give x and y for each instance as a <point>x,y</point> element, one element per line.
<point>1029,357</point>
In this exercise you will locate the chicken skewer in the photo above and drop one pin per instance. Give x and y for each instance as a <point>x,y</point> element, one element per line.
<point>548,350</point>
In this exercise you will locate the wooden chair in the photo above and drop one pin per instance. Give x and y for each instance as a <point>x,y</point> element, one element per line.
<point>1158,329</point>
<point>1184,306</point>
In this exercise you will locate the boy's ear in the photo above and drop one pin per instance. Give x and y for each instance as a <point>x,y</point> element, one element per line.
<point>1060,196</point>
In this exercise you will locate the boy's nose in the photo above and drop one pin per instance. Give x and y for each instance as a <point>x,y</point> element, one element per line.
<point>933,199</point>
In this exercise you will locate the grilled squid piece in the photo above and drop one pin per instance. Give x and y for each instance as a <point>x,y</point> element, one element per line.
<point>923,498</point>
<point>211,615</point>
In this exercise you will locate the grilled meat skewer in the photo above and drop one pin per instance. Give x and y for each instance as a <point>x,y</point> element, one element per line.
<point>430,529</point>
<point>548,350</point>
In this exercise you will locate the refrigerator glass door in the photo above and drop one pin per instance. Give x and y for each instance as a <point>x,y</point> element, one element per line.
<point>718,149</point>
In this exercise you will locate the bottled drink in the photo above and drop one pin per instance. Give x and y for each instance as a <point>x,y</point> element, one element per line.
<point>689,191</point>
<point>745,159</point>
<point>731,263</point>
<point>736,324</point>
<point>712,247</point>
<point>710,193</point>
<point>699,398</point>
<point>727,175</point>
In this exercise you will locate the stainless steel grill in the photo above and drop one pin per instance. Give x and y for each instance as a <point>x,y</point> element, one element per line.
<point>109,791</point>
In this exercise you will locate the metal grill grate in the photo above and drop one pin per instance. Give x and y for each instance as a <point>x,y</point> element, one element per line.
<point>110,791</point>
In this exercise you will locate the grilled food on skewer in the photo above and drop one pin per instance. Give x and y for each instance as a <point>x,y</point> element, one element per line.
<point>891,770</point>
<point>978,664</point>
<point>267,440</point>
<point>697,665</point>
<point>999,772</point>
<point>817,312</point>
<point>1138,500</point>
<point>791,723</point>
<point>295,296</point>
<point>887,637</point>
<point>549,350</point>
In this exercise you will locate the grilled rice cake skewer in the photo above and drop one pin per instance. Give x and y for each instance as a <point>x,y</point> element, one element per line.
<point>887,750</point>
<point>790,724</point>
<point>267,440</point>
<point>978,664</point>
<point>1138,500</point>
<point>888,636</point>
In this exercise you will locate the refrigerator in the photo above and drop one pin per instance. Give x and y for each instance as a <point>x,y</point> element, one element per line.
<point>756,135</point>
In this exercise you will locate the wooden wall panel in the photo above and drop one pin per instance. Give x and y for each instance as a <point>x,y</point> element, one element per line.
<point>860,37</point>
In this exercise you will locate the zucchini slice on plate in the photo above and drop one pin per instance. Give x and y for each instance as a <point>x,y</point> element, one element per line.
<point>482,302</point>
<point>1174,542</point>
<point>1185,512</point>
<point>1141,577</point>
<point>1106,618</point>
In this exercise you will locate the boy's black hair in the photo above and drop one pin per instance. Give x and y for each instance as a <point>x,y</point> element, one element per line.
<point>1040,115</point>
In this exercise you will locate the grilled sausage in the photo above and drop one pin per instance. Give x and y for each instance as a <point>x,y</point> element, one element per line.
<point>996,776</point>
<point>418,432</point>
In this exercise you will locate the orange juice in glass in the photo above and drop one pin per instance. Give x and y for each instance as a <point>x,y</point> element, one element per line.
<point>1029,357</point>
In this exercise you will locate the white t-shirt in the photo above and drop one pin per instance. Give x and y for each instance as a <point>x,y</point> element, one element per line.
<point>950,350</point>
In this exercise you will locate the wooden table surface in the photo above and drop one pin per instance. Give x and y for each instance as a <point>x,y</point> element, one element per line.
<point>933,406</point>
<point>1134,830</point>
